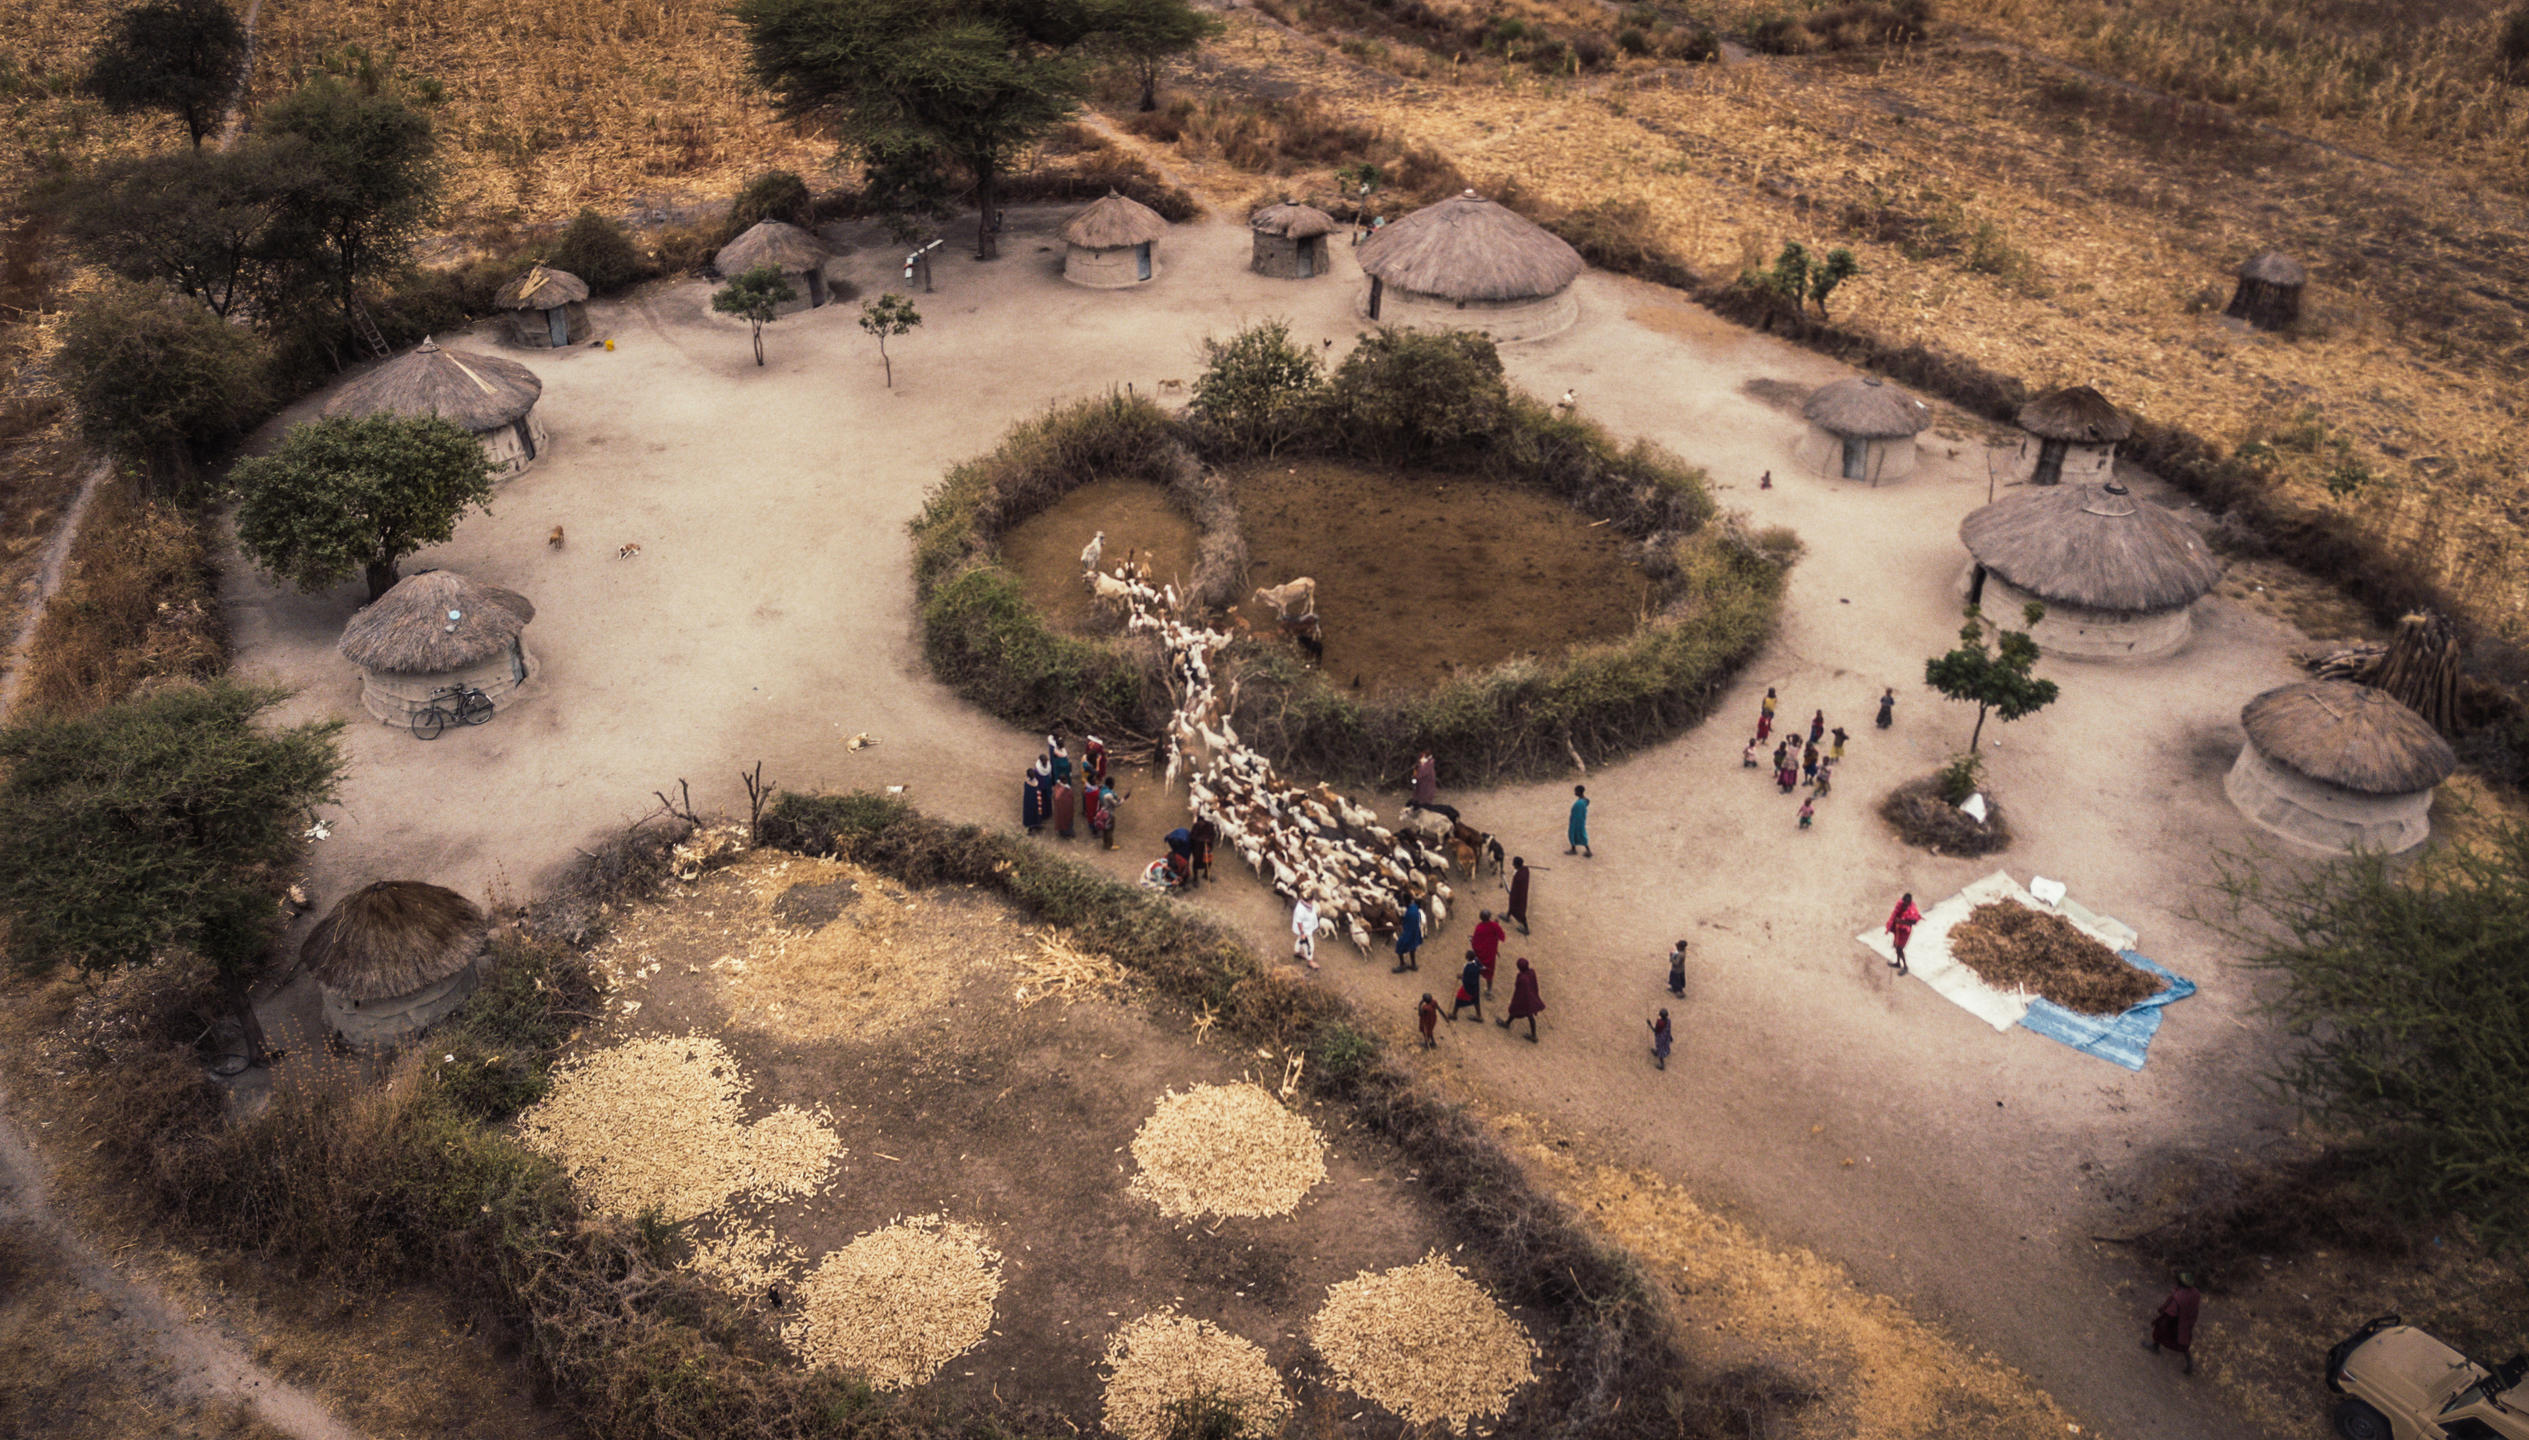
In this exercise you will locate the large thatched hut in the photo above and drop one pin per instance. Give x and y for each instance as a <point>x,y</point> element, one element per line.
<point>2116,573</point>
<point>2073,435</point>
<point>547,308</point>
<point>2269,293</point>
<point>2338,766</point>
<point>1290,241</point>
<point>435,631</point>
<point>492,397</point>
<point>394,957</point>
<point>1113,243</point>
<point>1863,429</point>
<point>1470,264</point>
<point>799,255</point>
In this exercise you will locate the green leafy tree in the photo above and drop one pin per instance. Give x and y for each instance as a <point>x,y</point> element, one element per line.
<point>757,297</point>
<point>203,223</point>
<point>1257,389</point>
<point>159,380</point>
<point>1992,676</point>
<point>156,823</point>
<point>185,57</point>
<point>365,188</point>
<point>595,249</point>
<point>1409,394</point>
<point>1838,267</point>
<point>1146,34</point>
<point>342,497</point>
<point>889,314</point>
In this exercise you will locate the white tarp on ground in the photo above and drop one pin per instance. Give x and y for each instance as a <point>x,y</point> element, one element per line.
<point>1928,957</point>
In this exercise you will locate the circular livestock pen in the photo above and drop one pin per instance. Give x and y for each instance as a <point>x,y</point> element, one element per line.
<point>1470,264</point>
<point>2117,574</point>
<point>2338,766</point>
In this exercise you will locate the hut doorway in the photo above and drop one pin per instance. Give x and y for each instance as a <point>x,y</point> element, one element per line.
<point>558,321</point>
<point>518,659</point>
<point>1308,258</point>
<point>1377,287</point>
<point>526,435</point>
<point>2050,462</point>
<point>816,288</point>
<point>1141,261</point>
<point>1976,586</point>
<point>1856,458</point>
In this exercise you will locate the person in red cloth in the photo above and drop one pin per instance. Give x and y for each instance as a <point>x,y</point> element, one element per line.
<point>1901,923</point>
<point>1064,805</point>
<point>1093,760</point>
<point>1206,833</point>
<point>1486,942</point>
<point>1526,1003</point>
<point>1765,727</point>
<point>1518,908</point>
<point>1427,1015</point>
<point>2173,1325</point>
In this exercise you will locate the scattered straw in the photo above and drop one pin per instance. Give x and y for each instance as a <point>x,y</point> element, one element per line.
<point>1058,967</point>
<point>2012,947</point>
<point>1226,1150</point>
<point>1163,1364</point>
<point>653,1123</point>
<point>1425,1341</point>
<point>897,1304</point>
<point>747,1261</point>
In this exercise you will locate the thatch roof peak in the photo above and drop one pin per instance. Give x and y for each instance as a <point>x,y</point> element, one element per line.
<point>2274,268</point>
<point>1112,222</point>
<point>1293,221</point>
<point>433,622</point>
<point>478,392</point>
<point>1866,407</point>
<point>1469,248</point>
<point>2076,413</point>
<point>2348,735</point>
<point>541,288</point>
<point>777,243</point>
<point>392,938</point>
<point>2094,546</point>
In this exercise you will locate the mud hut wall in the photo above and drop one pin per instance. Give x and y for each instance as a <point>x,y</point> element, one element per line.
<point>391,1020</point>
<point>1883,462</point>
<point>1508,322</point>
<point>2265,304</point>
<point>2072,632</point>
<point>2082,464</point>
<point>1284,258</point>
<point>392,698</point>
<point>515,446</point>
<point>1115,269</point>
<point>533,329</point>
<point>2284,802</point>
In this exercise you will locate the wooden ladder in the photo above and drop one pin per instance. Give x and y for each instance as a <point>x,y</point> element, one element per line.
<point>367,329</point>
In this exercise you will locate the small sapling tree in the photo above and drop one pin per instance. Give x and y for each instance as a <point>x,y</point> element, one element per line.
<point>181,56</point>
<point>1258,389</point>
<point>756,296</point>
<point>1994,677</point>
<point>889,314</point>
<point>1838,267</point>
<point>342,497</point>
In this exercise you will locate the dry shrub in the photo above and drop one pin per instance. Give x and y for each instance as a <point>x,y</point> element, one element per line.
<point>2012,947</point>
<point>136,609</point>
<point>1922,818</point>
<point>1305,136</point>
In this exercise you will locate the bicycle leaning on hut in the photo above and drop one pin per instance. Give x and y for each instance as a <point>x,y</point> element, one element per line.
<point>456,705</point>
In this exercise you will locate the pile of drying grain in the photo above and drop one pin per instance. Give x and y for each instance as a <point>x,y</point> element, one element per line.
<point>897,1304</point>
<point>747,1262</point>
<point>653,1123</point>
<point>1425,1341</point>
<point>1226,1150</point>
<point>1164,1363</point>
<point>2012,947</point>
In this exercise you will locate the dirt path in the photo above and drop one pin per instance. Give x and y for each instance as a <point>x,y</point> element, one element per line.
<point>48,578</point>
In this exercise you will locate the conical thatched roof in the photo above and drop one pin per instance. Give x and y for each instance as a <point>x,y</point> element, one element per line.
<point>479,392</point>
<point>2076,413</point>
<point>1468,248</point>
<point>1112,222</point>
<point>406,631</point>
<point>392,938</point>
<point>541,288</point>
<point>2094,546</point>
<point>2274,268</point>
<point>1295,222</point>
<point>1867,408</point>
<point>777,243</point>
<point>2348,735</point>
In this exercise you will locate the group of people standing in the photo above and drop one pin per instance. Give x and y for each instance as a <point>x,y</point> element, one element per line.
<point>1475,982</point>
<point>1808,764</point>
<point>1065,796</point>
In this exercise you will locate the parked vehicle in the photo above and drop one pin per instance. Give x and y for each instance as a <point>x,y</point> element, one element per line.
<point>2399,1383</point>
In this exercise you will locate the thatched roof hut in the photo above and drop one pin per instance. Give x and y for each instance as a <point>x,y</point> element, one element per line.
<point>800,256</point>
<point>1469,263</point>
<point>2073,434</point>
<point>434,632</point>
<point>2339,766</point>
<point>1290,240</point>
<point>547,307</point>
<point>2115,572</point>
<point>2269,292</point>
<point>1112,243</point>
<point>393,957</point>
<point>493,398</point>
<point>1864,429</point>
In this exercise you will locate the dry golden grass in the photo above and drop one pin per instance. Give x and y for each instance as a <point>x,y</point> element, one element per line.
<point>137,607</point>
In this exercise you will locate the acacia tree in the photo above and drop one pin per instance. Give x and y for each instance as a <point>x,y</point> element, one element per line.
<point>889,314</point>
<point>1992,677</point>
<point>185,57</point>
<point>757,297</point>
<point>364,183</point>
<point>206,224</point>
<point>342,497</point>
<point>158,379</point>
<point>1147,34</point>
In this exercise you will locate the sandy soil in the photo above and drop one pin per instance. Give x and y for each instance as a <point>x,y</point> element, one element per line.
<point>1137,520</point>
<point>768,617</point>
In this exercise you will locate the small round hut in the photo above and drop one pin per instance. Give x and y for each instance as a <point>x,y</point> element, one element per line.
<point>432,632</point>
<point>2073,435</point>
<point>1291,241</point>
<point>1864,429</point>
<point>1470,264</point>
<point>799,255</point>
<point>2269,293</point>
<point>2338,766</point>
<point>2117,574</point>
<point>492,397</point>
<point>1112,244</point>
<point>393,958</point>
<point>547,308</point>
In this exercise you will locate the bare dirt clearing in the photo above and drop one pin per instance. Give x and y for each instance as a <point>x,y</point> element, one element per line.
<point>1139,522</point>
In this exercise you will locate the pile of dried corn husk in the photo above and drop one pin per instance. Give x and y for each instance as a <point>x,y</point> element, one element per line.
<point>897,1304</point>
<point>2012,947</point>
<point>747,1262</point>
<point>1164,1362</point>
<point>1058,966</point>
<point>1226,1150</point>
<point>1425,1341</point>
<point>653,1122</point>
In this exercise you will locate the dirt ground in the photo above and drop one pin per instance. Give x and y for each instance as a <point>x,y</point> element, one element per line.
<point>769,618</point>
<point>1137,519</point>
<point>1421,575</point>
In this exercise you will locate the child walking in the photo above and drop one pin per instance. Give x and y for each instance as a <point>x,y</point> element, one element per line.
<point>1661,1036</point>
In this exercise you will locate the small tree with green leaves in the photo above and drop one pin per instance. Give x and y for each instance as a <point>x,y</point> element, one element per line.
<point>889,314</point>
<point>158,379</point>
<point>1258,390</point>
<point>342,497</point>
<point>757,297</point>
<point>1992,675</point>
<point>185,57</point>
<point>1406,395</point>
<point>773,195</point>
<point>1838,267</point>
<point>595,249</point>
